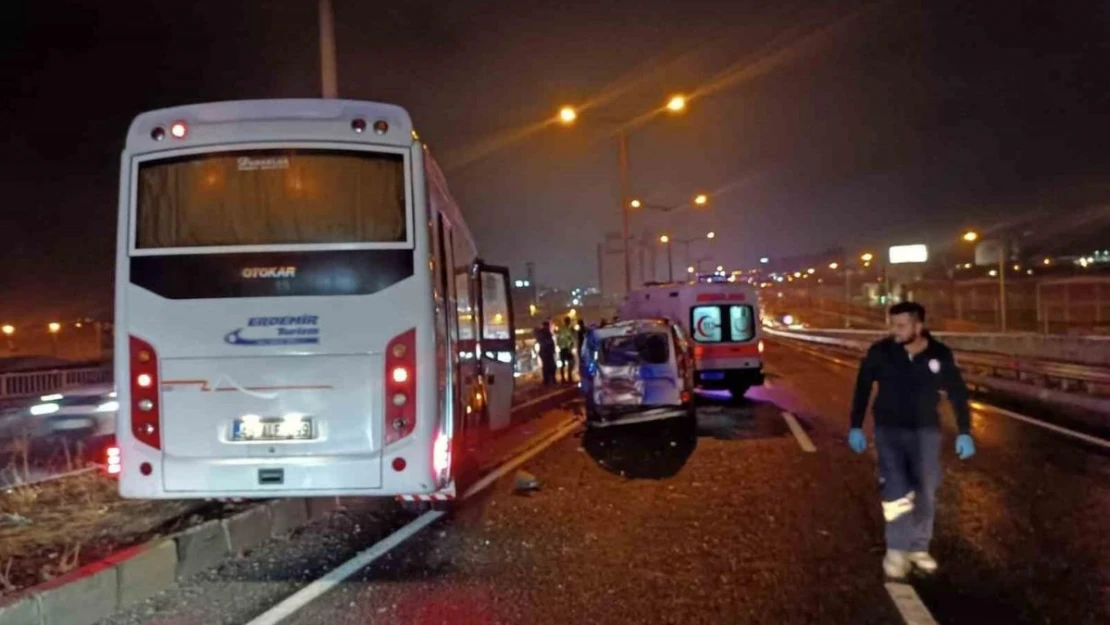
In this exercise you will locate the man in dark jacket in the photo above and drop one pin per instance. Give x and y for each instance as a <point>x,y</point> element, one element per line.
<point>546,341</point>
<point>911,368</point>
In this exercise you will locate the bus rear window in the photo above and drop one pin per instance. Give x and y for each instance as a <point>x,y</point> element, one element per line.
<point>706,323</point>
<point>268,197</point>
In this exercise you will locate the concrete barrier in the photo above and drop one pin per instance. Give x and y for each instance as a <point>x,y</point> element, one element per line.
<point>96,591</point>
<point>288,515</point>
<point>145,571</point>
<point>201,547</point>
<point>24,611</point>
<point>248,529</point>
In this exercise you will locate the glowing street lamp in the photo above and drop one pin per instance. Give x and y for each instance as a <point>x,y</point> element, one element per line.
<point>971,236</point>
<point>54,327</point>
<point>635,204</point>
<point>701,199</point>
<point>711,235</point>
<point>8,330</point>
<point>676,104</point>
<point>690,269</point>
<point>867,257</point>
<point>664,239</point>
<point>567,115</point>
<point>834,265</point>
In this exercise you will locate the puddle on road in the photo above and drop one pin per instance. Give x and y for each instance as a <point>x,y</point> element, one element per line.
<point>744,420</point>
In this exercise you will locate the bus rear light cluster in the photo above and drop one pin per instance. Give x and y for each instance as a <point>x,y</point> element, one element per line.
<point>400,386</point>
<point>178,130</point>
<point>145,421</point>
<point>112,461</point>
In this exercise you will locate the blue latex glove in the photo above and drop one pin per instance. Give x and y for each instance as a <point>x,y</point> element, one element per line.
<point>965,447</point>
<point>857,441</point>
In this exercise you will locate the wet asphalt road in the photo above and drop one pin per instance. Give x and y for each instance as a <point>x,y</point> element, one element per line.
<point>729,521</point>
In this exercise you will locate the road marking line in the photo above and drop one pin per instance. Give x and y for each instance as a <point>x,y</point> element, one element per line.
<point>1094,440</point>
<point>314,590</point>
<point>803,439</point>
<point>909,605</point>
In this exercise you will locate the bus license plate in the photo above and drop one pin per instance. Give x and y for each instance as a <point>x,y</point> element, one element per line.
<point>271,430</point>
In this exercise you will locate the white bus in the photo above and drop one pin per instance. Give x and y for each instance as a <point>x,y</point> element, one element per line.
<point>722,318</point>
<point>300,309</point>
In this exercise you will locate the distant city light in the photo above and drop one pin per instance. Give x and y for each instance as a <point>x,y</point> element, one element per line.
<point>834,265</point>
<point>993,273</point>
<point>764,260</point>
<point>8,330</point>
<point>811,271</point>
<point>867,257</point>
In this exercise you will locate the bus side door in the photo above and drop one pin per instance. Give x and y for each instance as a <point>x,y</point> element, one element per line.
<point>497,334</point>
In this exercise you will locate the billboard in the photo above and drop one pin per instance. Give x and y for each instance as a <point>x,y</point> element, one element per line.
<point>900,254</point>
<point>989,253</point>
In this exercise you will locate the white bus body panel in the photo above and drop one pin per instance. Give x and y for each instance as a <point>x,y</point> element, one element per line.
<point>206,382</point>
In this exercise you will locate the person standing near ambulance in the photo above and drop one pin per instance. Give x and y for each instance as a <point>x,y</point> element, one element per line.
<point>911,368</point>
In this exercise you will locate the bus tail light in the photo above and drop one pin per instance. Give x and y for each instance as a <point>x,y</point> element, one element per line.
<point>441,456</point>
<point>400,387</point>
<point>760,346</point>
<point>112,461</point>
<point>145,408</point>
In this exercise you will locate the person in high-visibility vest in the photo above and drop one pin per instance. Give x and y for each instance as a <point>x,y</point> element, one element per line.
<point>565,338</point>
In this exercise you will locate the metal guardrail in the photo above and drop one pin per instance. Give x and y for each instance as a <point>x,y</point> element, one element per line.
<point>32,383</point>
<point>1088,378</point>
<point>1016,376</point>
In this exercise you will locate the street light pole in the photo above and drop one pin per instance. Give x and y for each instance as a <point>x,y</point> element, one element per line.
<point>670,261</point>
<point>1002,285</point>
<point>627,240</point>
<point>329,83</point>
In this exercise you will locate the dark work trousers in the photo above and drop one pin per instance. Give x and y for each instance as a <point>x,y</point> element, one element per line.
<point>547,362</point>
<point>909,462</point>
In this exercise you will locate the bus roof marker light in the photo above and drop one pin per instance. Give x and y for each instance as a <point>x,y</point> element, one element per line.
<point>381,127</point>
<point>358,125</point>
<point>157,134</point>
<point>179,130</point>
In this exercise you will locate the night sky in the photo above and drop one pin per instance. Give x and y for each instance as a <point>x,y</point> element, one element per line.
<point>814,124</point>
